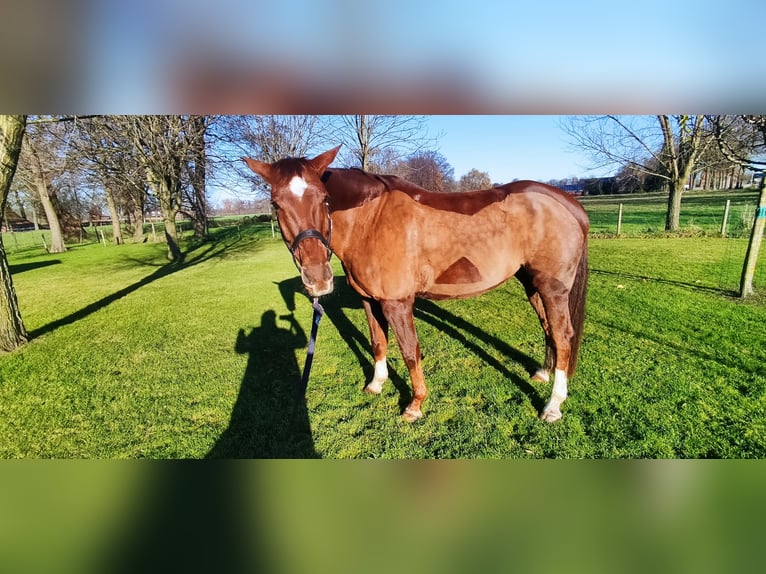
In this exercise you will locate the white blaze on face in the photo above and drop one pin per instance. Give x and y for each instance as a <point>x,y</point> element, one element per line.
<point>298,185</point>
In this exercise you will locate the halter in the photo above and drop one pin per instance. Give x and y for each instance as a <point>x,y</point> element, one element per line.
<point>305,234</point>
<point>315,234</point>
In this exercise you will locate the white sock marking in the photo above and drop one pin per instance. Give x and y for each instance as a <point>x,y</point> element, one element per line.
<point>560,384</point>
<point>380,376</point>
<point>381,371</point>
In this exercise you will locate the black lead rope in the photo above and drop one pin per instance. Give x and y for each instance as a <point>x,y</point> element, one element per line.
<point>318,312</point>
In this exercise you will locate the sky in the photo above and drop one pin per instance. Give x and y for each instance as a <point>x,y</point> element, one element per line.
<point>509,147</point>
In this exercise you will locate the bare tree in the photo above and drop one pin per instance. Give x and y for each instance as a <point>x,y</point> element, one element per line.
<point>12,331</point>
<point>164,146</point>
<point>365,138</point>
<point>41,165</point>
<point>197,168</point>
<point>269,138</point>
<point>740,138</point>
<point>430,170</point>
<point>107,156</point>
<point>666,148</point>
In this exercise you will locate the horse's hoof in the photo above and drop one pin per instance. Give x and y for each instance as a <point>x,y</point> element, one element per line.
<point>411,416</point>
<point>550,416</point>
<point>541,376</point>
<point>373,389</point>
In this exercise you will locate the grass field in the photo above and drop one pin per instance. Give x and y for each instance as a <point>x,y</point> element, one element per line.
<point>702,213</point>
<point>133,358</point>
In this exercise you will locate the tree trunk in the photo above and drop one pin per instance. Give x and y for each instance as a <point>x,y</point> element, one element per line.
<point>198,177</point>
<point>673,217</point>
<point>138,218</point>
<point>12,331</point>
<point>168,197</point>
<point>54,224</point>
<point>57,237</point>
<point>114,216</point>
<point>171,236</point>
<point>680,157</point>
<point>363,136</point>
<point>754,246</point>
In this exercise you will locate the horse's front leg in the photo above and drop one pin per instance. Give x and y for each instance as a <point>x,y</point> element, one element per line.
<point>400,316</point>
<point>379,339</point>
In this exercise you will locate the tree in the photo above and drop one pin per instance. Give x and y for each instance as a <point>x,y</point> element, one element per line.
<point>666,148</point>
<point>430,170</point>
<point>474,179</point>
<point>738,137</point>
<point>108,159</point>
<point>369,139</point>
<point>165,146</point>
<point>197,168</point>
<point>12,331</point>
<point>269,138</point>
<point>41,166</point>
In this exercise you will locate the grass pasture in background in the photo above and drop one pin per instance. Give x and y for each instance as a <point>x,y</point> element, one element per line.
<point>702,213</point>
<point>133,358</point>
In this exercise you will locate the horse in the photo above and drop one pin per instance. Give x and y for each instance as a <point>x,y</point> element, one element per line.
<point>398,241</point>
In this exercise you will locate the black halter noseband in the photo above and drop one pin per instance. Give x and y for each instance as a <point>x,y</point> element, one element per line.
<point>315,234</point>
<point>305,234</point>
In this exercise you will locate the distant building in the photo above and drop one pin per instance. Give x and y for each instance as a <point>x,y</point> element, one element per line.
<point>13,221</point>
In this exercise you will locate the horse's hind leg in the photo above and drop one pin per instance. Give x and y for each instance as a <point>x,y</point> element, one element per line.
<point>379,340</point>
<point>543,373</point>
<point>400,316</point>
<point>555,299</point>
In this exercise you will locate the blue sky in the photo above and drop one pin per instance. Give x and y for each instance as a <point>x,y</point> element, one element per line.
<point>509,147</point>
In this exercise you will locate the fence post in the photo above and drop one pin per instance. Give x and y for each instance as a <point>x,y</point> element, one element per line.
<point>619,221</point>
<point>725,217</point>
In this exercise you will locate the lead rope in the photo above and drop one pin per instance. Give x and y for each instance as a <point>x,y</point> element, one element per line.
<point>318,312</point>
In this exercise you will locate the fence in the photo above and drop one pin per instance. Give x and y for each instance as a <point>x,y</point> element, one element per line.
<point>701,214</point>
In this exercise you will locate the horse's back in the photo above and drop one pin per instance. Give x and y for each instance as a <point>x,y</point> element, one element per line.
<point>571,205</point>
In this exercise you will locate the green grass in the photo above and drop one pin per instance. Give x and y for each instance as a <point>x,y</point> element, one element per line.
<point>133,358</point>
<point>701,213</point>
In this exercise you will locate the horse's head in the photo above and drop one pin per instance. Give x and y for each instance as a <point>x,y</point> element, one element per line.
<point>300,199</point>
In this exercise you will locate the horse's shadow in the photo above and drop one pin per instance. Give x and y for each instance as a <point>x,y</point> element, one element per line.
<point>467,334</point>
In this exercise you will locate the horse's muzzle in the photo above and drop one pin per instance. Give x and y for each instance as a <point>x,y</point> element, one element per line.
<point>318,279</point>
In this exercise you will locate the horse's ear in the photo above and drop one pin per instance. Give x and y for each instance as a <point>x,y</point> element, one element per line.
<point>261,168</point>
<point>320,162</point>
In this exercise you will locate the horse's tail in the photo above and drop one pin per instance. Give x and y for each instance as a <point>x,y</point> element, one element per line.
<point>577,306</point>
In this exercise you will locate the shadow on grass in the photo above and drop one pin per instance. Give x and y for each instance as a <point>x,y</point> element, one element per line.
<point>270,418</point>
<point>198,253</point>
<point>460,330</point>
<point>21,267</point>
<point>470,336</point>
<point>342,298</point>
<point>683,284</point>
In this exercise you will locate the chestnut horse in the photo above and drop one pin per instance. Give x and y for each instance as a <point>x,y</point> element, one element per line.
<point>398,241</point>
